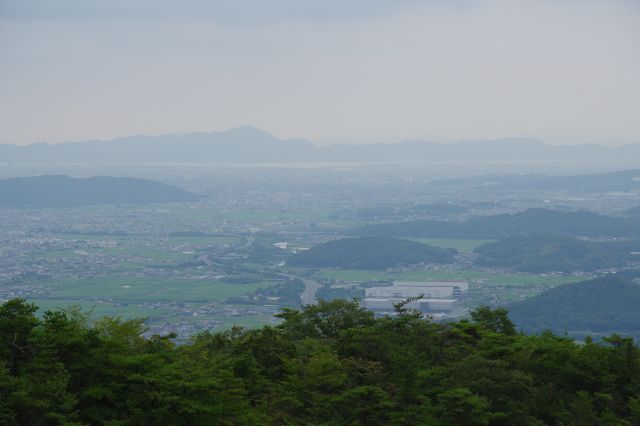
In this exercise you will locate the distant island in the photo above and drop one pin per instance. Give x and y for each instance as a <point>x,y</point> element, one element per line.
<point>249,144</point>
<point>371,253</point>
<point>66,191</point>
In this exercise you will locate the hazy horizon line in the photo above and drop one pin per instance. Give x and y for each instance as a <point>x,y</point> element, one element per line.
<point>326,143</point>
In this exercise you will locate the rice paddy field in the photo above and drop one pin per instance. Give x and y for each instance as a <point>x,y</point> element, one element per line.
<point>148,289</point>
<point>484,278</point>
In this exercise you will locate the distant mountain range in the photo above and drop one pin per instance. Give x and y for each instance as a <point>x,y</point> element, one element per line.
<point>65,191</point>
<point>248,144</point>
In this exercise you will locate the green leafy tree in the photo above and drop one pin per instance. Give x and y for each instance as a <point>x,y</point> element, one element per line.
<point>460,406</point>
<point>17,321</point>
<point>331,363</point>
<point>494,319</point>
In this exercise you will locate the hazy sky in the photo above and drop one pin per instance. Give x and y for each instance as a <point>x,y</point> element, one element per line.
<point>327,70</point>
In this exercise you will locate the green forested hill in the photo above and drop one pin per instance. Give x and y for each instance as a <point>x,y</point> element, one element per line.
<point>65,191</point>
<point>601,305</point>
<point>330,364</point>
<point>370,253</point>
<point>556,253</point>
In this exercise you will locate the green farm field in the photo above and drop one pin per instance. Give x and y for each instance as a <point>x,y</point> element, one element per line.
<point>148,289</point>
<point>97,310</point>
<point>485,278</point>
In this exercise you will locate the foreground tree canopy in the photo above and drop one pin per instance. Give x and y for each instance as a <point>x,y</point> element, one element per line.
<point>331,363</point>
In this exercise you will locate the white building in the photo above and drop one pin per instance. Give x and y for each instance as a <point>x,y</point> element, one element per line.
<point>429,289</point>
<point>437,296</point>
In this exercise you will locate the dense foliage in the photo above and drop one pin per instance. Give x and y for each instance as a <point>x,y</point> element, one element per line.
<point>530,222</point>
<point>557,253</point>
<point>370,253</point>
<point>330,292</point>
<point>331,363</point>
<point>600,305</point>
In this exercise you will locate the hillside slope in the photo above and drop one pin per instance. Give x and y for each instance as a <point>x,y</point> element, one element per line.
<point>557,254</point>
<point>601,305</point>
<point>370,253</point>
<point>536,221</point>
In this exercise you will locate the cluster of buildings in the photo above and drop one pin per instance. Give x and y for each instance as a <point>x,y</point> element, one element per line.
<point>432,296</point>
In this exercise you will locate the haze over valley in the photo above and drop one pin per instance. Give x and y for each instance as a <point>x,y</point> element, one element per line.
<point>205,247</point>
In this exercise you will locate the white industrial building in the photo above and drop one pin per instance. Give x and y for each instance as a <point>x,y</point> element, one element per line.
<point>437,296</point>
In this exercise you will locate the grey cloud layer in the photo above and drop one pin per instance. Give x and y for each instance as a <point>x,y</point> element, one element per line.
<point>234,11</point>
<point>327,70</point>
